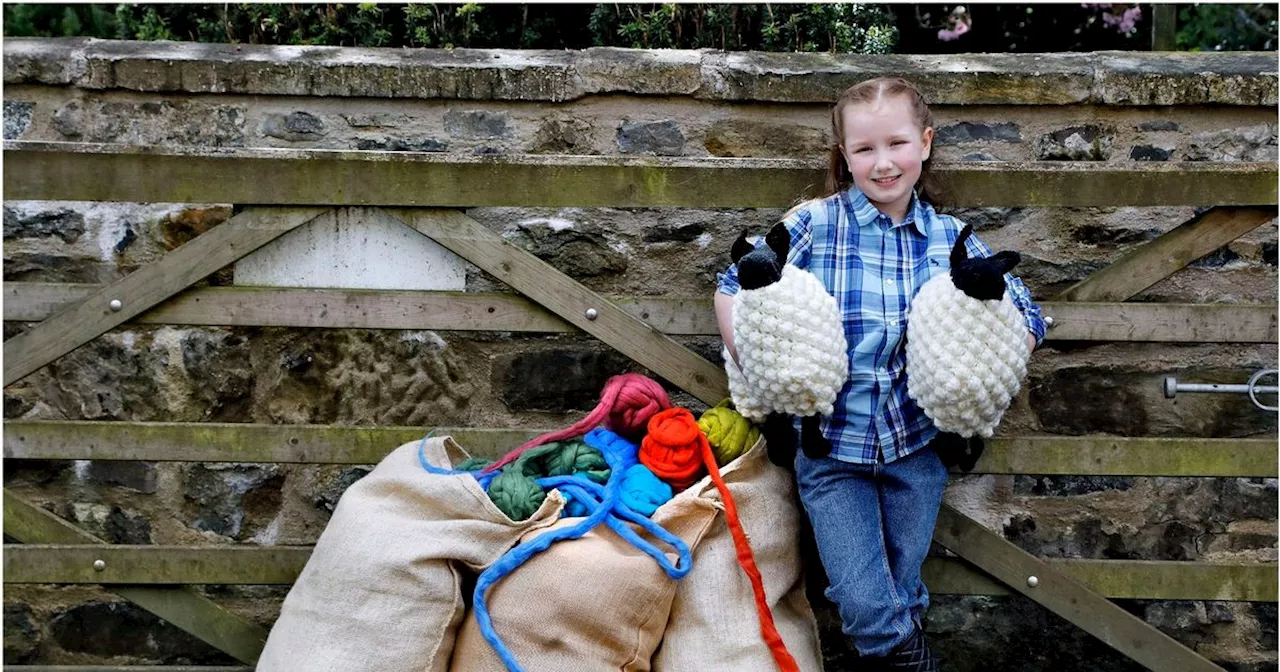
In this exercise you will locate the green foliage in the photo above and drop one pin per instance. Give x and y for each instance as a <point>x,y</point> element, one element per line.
<point>1227,27</point>
<point>59,20</point>
<point>854,28</point>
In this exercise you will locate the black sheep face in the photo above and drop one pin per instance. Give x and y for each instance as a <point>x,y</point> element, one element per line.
<point>981,278</point>
<point>761,266</point>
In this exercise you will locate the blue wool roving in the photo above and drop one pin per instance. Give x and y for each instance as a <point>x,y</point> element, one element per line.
<point>620,454</point>
<point>642,491</point>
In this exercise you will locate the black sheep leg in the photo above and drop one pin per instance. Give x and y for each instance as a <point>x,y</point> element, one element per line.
<point>957,451</point>
<point>814,444</point>
<point>780,439</point>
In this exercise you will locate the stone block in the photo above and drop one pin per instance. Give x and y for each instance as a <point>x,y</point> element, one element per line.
<point>64,223</point>
<point>1149,153</point>
<point>178,228</point>
<point>475,124</point>
<point>1075,143</point>
<point>222,496</point>
<point>17,117</point>
<point>1251,143</point>
<point>167,122</point>
<point>138,476</point>
<point>686,232</point>
<point>327,499</point>
<point>112,524</point>
<point>1089,536</point>
<point>1128,402</point>
<point>297,126</point>
<point>662,138</point>
<point>22,635</point>
<point>579,250</point>
<point>965,132</point>
<point>749,138</point>
<point>110,629</point>
<point>555,379</point>
<point>1092,233</point>
<point>564,135</point>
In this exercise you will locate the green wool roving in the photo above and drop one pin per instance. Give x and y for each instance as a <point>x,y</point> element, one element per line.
<point>515,490</point>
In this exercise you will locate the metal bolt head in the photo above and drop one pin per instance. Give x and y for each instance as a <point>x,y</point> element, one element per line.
<point>1033,581</point>
<point>99,565</point>
<point>116,304</point>
<point>1048,321</point>
<point>592,314</point>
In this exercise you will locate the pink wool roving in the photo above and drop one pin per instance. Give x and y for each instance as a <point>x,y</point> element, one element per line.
<point>626,404</point>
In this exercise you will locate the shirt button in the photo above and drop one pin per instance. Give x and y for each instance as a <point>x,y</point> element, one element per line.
<point>889,282</point>
<point>893,323</point>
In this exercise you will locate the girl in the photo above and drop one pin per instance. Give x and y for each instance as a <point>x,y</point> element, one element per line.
<point>874,241</point>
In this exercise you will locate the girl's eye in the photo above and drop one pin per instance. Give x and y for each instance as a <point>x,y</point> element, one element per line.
<point>898,142</point>
<point>861,150</point>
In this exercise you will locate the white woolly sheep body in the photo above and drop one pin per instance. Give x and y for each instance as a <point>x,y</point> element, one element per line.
<point>966,358</point>
<point>791,347</point>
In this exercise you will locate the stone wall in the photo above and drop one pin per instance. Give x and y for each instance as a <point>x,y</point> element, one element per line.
<point>1080,107</point>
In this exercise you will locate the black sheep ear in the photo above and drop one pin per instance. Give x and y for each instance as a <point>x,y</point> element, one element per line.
<point>1005,261</point>
<point>779,240</point>
<point>741,247</point>
<point>958,253</point>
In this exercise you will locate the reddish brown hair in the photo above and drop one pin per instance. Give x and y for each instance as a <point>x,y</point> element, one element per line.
<point>838,176</point>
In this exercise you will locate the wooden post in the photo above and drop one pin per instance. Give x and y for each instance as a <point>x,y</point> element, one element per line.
<point>1164,27</point>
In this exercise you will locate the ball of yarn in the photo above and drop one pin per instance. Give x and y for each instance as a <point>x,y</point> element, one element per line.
<point>639,398</point>
<point>576,457</point>
<point>516,494</point>
<point>627,403</point>
<point>515,490</point>
<point>730,434</point>
<point>642,491</point>
<point>671,449</point>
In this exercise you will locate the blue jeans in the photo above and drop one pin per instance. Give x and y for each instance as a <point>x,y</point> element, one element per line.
<point>873,524</point>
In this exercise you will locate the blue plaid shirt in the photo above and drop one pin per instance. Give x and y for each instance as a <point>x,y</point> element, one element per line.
<point>873,268</point>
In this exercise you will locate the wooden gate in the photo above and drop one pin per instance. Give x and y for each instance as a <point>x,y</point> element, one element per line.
<point>283,190</point>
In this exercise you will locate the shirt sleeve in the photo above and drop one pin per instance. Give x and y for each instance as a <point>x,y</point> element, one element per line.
<point>1017,289</point>
<point>799,225</point>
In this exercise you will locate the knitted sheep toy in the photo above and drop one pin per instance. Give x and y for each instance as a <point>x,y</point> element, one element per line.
<point>792,356</point>
<point>966,350</point>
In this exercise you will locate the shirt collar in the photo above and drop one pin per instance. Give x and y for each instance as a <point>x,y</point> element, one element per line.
<point>866,214</point>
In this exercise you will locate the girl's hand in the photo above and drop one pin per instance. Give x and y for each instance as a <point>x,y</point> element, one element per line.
<point>1031,342</point>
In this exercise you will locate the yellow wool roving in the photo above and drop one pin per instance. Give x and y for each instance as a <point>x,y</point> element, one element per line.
<point>966,358</point>
<point>729,434</point>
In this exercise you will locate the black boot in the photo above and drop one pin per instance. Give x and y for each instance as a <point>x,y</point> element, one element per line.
<point>912,655</point>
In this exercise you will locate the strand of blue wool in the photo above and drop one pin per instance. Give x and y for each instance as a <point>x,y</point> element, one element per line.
<point>483,479</point>
<point>590,493</point>
<point>615,450</point>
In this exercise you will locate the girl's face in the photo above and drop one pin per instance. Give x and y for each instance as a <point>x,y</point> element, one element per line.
<point>884,148</point>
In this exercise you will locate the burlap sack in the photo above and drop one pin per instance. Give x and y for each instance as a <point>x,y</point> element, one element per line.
<point>713,623</point>
<point>381,590</point>
<point>593,603</point>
